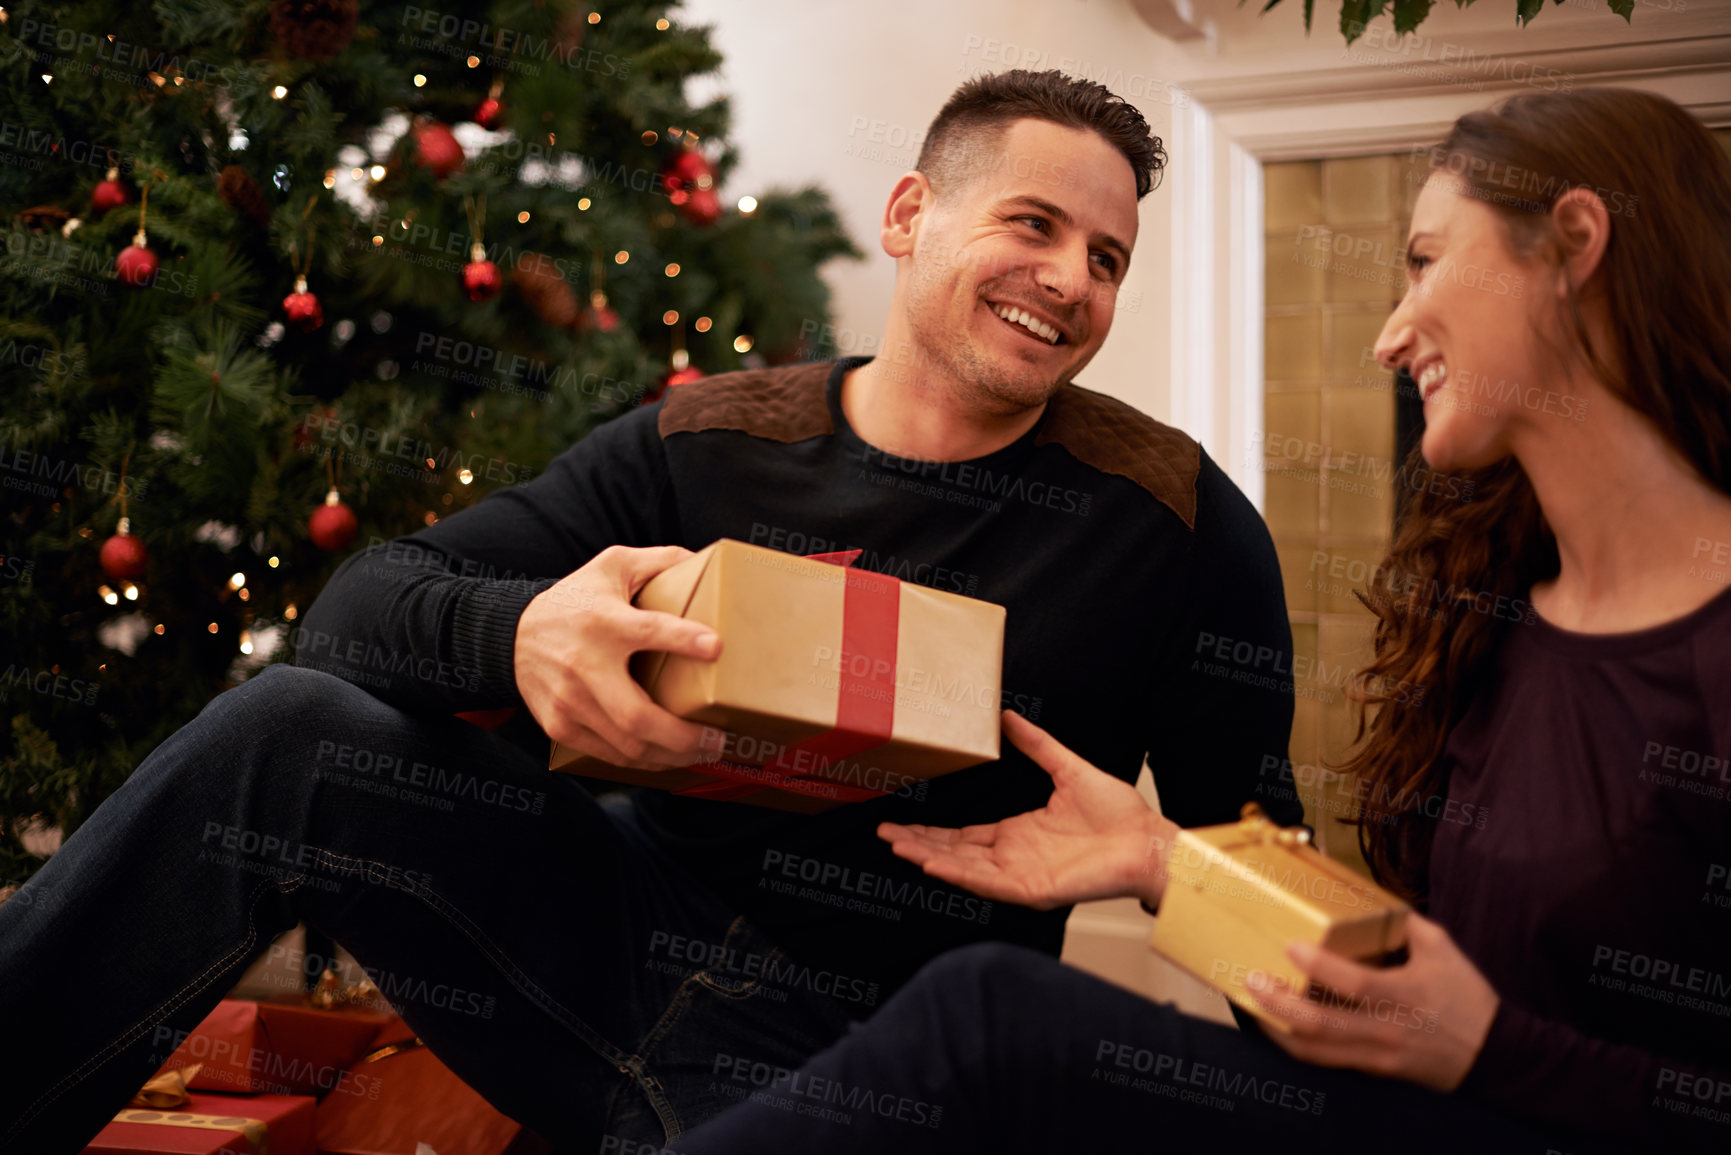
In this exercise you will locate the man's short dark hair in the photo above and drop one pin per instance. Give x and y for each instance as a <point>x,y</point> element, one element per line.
<point>978,113</point>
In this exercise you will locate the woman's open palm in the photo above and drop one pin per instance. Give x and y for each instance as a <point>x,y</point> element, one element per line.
<point>1096,837</point>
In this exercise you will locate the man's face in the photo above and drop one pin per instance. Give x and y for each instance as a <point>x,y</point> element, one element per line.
<point>1039,222</point>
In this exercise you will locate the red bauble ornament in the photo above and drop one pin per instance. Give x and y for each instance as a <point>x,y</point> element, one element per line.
<point>136,265</point>
<point>333,524</point>
<point>689,169</point>
<point>301,309</point>
<point>683,372</point>
<point>109,194</point>
<point>123,556</point>
<point>598,317</point>
<point>703,207</point>
<point>487,115</point>
<point>481,277</point>
<point>437,148</point>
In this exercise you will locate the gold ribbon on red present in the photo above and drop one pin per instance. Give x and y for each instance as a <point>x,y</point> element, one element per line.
<point>255,1131</point>
<point>155,1104</point>
<point>165,1090</point>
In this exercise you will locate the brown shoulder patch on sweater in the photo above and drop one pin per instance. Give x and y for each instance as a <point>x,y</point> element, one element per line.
<point>1114,438</point>
<point>786,403</point>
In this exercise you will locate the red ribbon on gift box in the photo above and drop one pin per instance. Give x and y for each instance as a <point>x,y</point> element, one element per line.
<point>865,711</point>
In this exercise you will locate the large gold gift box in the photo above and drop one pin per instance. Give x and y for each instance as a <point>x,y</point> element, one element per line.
<point>834,685</point>
<point>1237,894</point>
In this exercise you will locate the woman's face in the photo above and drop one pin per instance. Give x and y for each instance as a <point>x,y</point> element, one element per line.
<point>1465,330</point>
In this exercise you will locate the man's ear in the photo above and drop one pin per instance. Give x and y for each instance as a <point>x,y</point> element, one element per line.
<point>1583,231</point>
<point>911,197</point>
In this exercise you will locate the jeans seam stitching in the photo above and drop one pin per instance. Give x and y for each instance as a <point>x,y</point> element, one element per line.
<point>671,1125</point>
<point>156,1016</point>
<point>507,966</point>
<point>659,1102</point>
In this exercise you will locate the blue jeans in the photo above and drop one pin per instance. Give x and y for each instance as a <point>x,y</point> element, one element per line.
<point>533,936</point>
<point>1000,1049</point>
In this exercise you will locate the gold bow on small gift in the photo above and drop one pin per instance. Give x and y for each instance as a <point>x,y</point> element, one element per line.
<point>332,992</point>
<point>158,1103</point>
<point>166,1090</point>
<point>1255,825</point>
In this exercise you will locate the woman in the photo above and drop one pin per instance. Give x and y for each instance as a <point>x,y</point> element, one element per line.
<point>1568,322</point>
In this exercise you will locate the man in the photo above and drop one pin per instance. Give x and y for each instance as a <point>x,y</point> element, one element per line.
<point>615,969</point>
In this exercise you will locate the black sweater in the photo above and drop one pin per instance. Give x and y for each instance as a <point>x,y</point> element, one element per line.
<point>1145,618</point>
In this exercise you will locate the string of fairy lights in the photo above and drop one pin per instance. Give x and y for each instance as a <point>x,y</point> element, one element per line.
<point>689,187</point>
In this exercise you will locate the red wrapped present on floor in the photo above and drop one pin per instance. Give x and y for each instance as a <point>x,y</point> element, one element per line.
<point>209,1123</point>
<point>280,1048</point>
<point>402,1095</point>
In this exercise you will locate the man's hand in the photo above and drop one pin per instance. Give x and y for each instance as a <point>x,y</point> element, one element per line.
<point>1096,837</point>
<point>1424,1021</point>
<point>573,645</point>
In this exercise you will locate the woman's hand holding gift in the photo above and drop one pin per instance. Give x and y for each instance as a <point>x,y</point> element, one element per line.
<point>1424,1021</point>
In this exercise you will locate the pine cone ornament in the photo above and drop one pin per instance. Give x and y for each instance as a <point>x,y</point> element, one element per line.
<point>548,293</point>
<point>242,194</point>
<point>314,29</point>
<point>573,26</point>
<point>44,218</point>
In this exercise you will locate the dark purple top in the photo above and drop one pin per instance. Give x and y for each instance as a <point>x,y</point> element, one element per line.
<point>1586,870</point>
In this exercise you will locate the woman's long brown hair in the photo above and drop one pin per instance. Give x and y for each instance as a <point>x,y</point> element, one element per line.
<point>1665,284</point>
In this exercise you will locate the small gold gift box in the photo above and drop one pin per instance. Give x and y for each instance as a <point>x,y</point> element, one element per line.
<point>1237,894</point>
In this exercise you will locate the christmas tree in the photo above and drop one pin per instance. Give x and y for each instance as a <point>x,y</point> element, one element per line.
<point>283,278</point>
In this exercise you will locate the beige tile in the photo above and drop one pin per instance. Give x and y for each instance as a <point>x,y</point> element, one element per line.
<point>1411,170</point>
<point>1339,571</point>
<point>1306,650</point>
<point>1366,264</point>
<point>1291,194</point>
<point>1295,577</point>
<point>1344,643</point>
<point>1361,421</point>
<point>1292,278</point>
<point>1292,347</point>
<point>1304,642</point>
<point>1339,726</point>
<point>1306,745</point>
<point>1294,414</point>
<point>1360,507</point>
<point>1343,649</point>
<point>1291,503</point>
<point>1309,239</point>
<point>1358,190</point>
<point>1352,334</point>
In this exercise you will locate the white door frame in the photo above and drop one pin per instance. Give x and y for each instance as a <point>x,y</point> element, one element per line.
<point>1232,125</point>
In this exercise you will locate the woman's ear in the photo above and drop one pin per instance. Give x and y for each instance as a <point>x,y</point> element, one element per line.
<point>1583,230</point>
